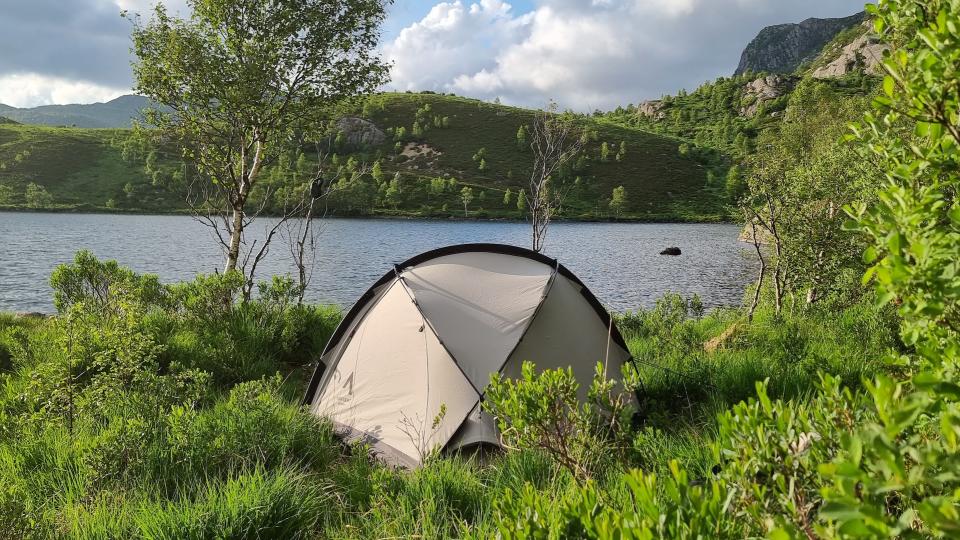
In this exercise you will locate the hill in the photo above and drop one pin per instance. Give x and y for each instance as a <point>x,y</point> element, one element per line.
<point>117,113</point>
<point>73,169</point>
<point>784,47</point>
<point>434,145</point>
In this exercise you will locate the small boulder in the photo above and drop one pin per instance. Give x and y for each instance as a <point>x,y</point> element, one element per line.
<point>671,251</point>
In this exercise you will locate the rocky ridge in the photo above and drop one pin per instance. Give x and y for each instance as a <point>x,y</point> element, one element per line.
<point>784,47</point>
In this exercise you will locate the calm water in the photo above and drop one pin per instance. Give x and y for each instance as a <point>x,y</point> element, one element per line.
<point>619,262</point>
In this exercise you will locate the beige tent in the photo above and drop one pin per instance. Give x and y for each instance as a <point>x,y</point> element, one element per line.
<point>407,367</point>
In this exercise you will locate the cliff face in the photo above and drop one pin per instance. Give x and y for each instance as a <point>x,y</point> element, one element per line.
<point>782,48</point>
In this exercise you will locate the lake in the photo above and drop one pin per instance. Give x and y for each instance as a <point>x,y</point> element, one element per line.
<point>620,262</point>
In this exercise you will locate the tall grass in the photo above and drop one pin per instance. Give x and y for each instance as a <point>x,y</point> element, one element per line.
<point>199,442</point>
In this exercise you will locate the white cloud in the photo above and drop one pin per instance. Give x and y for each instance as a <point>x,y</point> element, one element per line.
<point>144,7</point>
<point>57,52</point>
<point>585,53</point>
<point>452,39</point>
<point>31,89</point>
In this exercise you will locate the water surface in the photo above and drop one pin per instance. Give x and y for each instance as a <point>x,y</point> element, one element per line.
<point>620,262</point>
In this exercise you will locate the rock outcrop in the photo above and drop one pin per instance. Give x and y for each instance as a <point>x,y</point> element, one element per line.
<point>360,132</point>
<point>652,109</point>
<point>761,90</point>
<point>782,48</point>
<point>864,53</point>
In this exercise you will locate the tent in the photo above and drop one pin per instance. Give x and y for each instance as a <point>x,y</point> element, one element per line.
<point>407,367</point>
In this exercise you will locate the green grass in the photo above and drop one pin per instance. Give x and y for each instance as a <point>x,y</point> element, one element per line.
<point>244,461</point>
<point>83,169</point>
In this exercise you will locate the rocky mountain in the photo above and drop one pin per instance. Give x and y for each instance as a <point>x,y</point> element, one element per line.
<point>117,113</point>
<point>784,47</point>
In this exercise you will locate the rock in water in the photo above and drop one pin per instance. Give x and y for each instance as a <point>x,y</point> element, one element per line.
<point>671,251</point>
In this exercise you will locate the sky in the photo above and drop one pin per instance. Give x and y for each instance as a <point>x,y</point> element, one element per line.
<point>584,54</point>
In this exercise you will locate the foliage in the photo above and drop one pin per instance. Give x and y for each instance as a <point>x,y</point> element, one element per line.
<point>101,284</point>
<point>765,483</point>
<point>37,196</point>
<point>898,476</point>
<point>239,80</point>
<point>801,178</point>
<point>543,411</point>
<point>618,200</point>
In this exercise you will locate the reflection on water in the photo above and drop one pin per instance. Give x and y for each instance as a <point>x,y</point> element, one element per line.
<point>620,262</point>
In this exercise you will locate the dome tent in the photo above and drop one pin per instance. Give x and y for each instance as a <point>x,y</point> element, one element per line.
<point>407,367</point>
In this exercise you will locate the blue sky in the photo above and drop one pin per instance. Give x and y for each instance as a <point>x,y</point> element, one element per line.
<point>585,54</point>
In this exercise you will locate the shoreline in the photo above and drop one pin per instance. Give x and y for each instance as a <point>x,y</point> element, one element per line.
<point>664,220</point>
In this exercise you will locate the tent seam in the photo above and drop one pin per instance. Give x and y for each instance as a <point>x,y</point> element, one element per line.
<point>434,330</point>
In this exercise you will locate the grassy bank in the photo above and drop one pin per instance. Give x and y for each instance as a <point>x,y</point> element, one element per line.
<point>165,412</point>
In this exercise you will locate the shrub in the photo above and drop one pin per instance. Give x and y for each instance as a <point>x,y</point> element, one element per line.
<point>240,341</point>
<point>766,482</point>
<point>542,412</point>
<point>253,427</point>
<point>99,284</point>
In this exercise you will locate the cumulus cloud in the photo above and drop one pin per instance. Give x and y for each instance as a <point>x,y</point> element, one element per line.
<point>31,89</point>
<point>452,38</point>
<point>66,52</point>
<point>586,53</point>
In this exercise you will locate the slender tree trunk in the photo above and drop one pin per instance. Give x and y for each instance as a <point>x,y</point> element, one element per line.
<point>236,234</point>
<point>246,183</point>
<point>763,271</point>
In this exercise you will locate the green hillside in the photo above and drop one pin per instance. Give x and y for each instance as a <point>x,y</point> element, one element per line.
<point>659,182</point>
<point>74,169</point>
<point>101,170</point>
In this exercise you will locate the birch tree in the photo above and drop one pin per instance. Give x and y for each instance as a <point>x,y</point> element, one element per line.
<point>554,140</point>
<point>241,81</point>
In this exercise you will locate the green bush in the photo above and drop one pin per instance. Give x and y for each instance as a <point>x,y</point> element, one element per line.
<point>98,284</point>
<point>542,412</point>
<point>239,341</point>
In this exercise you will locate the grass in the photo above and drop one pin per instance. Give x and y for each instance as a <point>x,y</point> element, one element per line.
<point>85,169</point>
<point>242,460</point>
